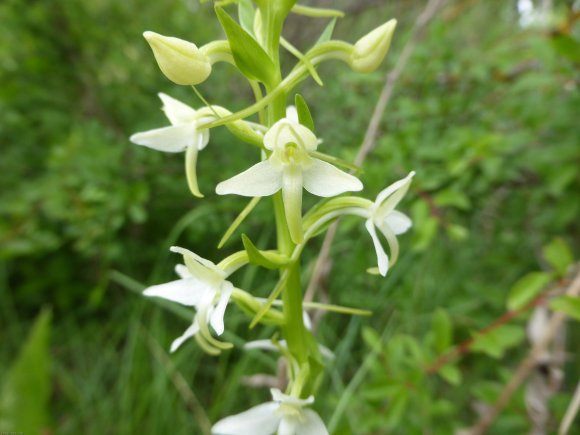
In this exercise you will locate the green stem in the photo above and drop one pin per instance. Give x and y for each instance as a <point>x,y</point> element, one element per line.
<point>293,330</point>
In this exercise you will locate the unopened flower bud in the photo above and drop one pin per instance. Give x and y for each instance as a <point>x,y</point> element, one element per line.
<point>181,61</point>
<point>371,49</point>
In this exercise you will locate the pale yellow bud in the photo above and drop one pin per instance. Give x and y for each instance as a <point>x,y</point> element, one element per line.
<point>181,61</point>
<point>371,49</point>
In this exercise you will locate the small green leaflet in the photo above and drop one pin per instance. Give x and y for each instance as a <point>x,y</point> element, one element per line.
<point>527,288</point>
<point>249,56</point>
<point>304,115</point>
<point>569,305</point>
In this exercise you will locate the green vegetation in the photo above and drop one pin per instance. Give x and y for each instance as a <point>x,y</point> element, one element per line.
<point>486,113</point>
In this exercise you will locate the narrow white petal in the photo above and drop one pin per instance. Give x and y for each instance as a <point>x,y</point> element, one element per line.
<point>191,170</point>
<point>199,267</point>
<point>262,179</point>
<point>176,111</point>
<point>173,139</point>
<point>259,420</point>
<point>312,424</point>
<point>382,258</point>
<point>324,179</point>
<point>400,184</point>
<point>183,291</point>
<point>203,138</point>
<point>189,332</point>
<point>217,317</point>
<point>292,114</point>
<point>398,222</point>
<point>182,271</point>
<point>292,196</point>
<point>393,243</point>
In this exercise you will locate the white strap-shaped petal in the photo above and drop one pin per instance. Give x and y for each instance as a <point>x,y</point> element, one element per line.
<point>200,268</point>
<point>217,316</point>
<point>312,424</point>
<point>394,187</point>
<point>176,111</point>
<point>262,179</point>
<point>393,243</point>
<point>191,170</point>
<point>292,196</point>
<point>382,257</point>
<point>388,199</point>
<point>187,253</point>
<point>189,332</point>
<point>287,131</point>
<point>323,179</point>
<point>186,291</point>
<point>259,420</point>
<point>398,222</point>
<point>173,139</point>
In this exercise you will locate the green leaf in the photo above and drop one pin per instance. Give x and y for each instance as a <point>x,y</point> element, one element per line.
<point>246,14</point>
<point>569,305</point>
<point>452,198</point>
<point>249,56</point>
<point>267,259</point>
<point>558,255</point>
<point>442,330</point>
<point>457,232</point>
<point>451,374</point>
<point>304,115</point>
<point>25,393</point>
<point>327,32</point>
<point>526,288</point>
<point>494,343</point>
<point>372,338</point>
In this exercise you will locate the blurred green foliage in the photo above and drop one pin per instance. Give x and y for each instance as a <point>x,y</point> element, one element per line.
<point>486,113</point>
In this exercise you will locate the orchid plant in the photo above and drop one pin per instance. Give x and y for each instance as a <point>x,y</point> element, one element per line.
<point>289,162</point>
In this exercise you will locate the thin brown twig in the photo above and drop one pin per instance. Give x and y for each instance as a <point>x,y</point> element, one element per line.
<point>526,366</point>
<point>372,131</point>
<point>570,412</point>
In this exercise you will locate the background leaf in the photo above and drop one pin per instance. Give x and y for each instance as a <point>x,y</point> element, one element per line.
<point>26,385</point>
<point>526,288</point>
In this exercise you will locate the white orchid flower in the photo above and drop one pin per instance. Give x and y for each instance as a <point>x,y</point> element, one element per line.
<point>390,222</point>
<point>202,285</point>
<point>382,215</point>
<point>181,135</point>
<point>291,168</point>
<point>284,415</point>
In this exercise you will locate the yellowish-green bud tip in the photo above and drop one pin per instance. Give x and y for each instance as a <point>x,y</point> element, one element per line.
<point>181,61</point>
<point>371,49</point>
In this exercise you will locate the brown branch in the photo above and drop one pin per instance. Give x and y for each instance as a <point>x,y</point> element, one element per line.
<point>320,271</point>
<point>526,366</point>
<point>463,347</point>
